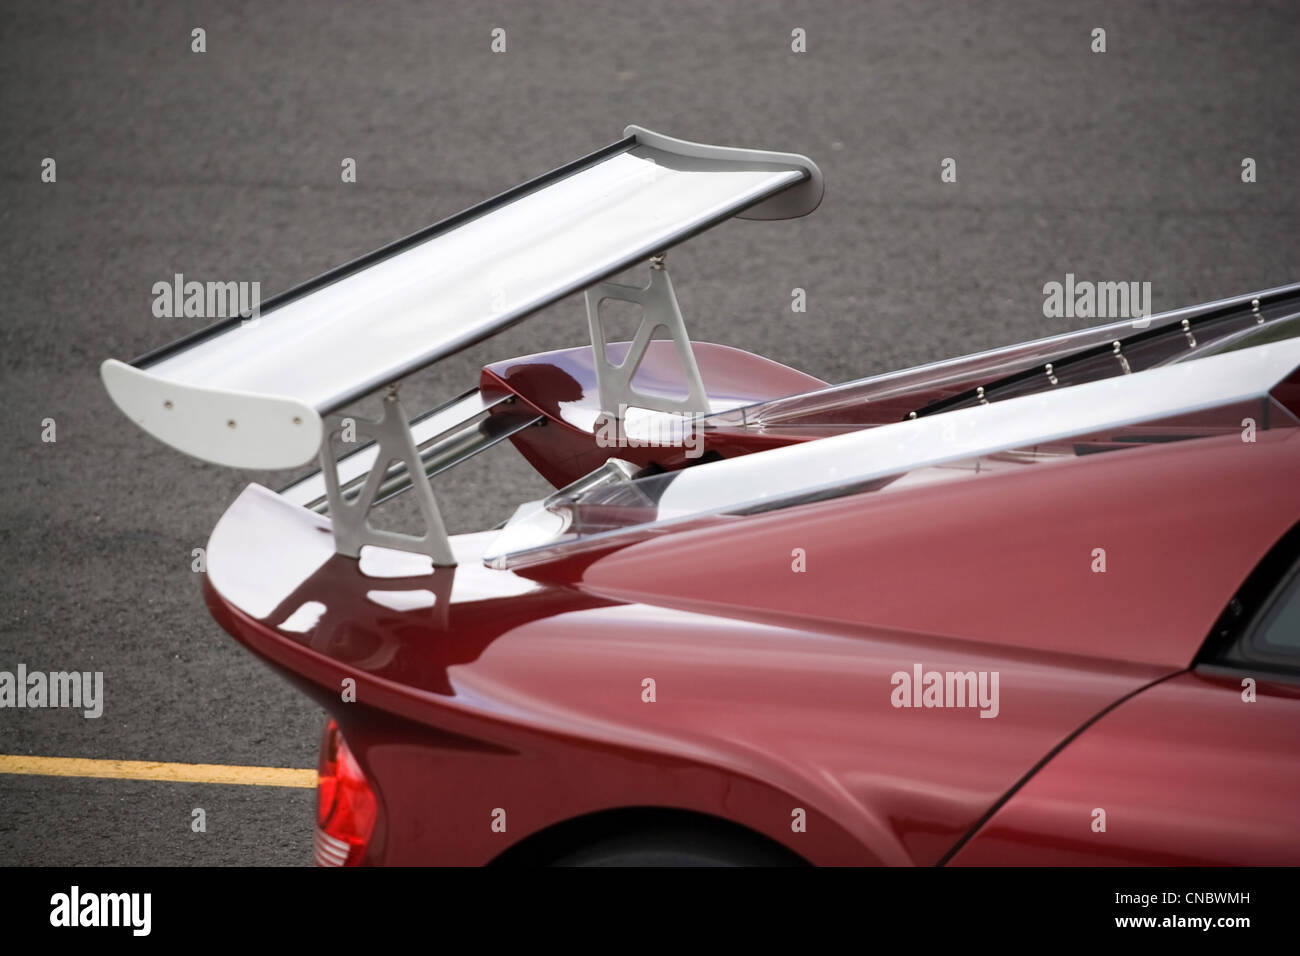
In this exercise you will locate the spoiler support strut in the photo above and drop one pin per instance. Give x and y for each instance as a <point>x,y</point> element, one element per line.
<point>659,309</point>
<point>351,519</point>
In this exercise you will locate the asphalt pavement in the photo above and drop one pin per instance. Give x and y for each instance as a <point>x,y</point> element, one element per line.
<point>1123,165</point>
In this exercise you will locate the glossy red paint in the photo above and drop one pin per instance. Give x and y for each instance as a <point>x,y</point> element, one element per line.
<point>1005,559</point>
<point>480,689</point>
<point>1186,758</point>
<point>561,385</point>
<point>539,711</point>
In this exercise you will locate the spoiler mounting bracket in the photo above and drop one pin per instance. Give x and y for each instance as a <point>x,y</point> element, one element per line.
<point>351,519</point>
<point>659,309</point>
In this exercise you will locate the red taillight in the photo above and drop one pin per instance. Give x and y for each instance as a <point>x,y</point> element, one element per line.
<point>345,804</point>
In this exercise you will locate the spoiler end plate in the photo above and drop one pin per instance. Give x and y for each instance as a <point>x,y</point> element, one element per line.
<point>235,429</point>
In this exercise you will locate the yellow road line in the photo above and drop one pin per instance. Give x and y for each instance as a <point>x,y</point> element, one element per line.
<point>151,770</point>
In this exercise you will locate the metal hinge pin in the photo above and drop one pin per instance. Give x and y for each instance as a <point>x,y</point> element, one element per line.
<point>1115,349</point>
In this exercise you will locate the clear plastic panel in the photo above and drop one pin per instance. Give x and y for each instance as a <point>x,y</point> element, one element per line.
<point>924,452</point>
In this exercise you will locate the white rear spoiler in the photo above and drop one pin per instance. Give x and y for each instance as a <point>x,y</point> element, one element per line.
<point>251,393</point>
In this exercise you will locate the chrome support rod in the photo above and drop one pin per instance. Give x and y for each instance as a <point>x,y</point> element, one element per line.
<point>444,437</point>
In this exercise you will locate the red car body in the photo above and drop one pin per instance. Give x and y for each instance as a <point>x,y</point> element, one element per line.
<point>1035,605</point>
<point>508,721</point>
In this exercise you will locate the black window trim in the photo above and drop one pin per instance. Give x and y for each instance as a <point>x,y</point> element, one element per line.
<point>1230,648</point>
